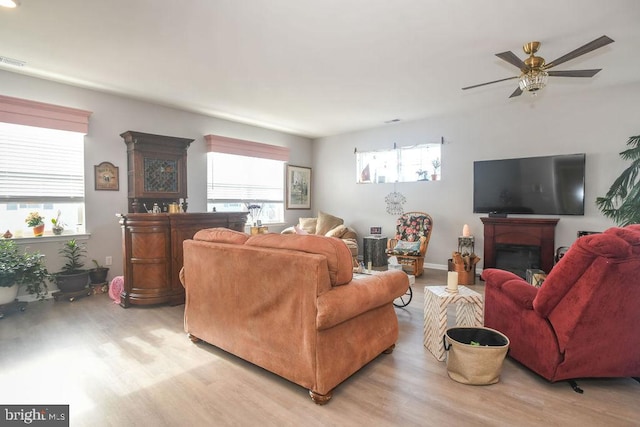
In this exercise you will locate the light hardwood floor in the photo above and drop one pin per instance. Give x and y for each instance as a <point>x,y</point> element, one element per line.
<point>118,367</point>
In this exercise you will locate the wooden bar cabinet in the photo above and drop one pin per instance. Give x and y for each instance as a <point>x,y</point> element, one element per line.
<point>152,248</point>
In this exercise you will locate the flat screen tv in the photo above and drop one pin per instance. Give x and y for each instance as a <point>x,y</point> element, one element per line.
<point>548,185</point>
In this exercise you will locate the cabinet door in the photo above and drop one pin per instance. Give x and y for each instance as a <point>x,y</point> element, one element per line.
<point>147,256</point>
<point>161,176</point>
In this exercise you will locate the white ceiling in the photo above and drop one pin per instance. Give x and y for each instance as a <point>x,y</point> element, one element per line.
<point>316,67</point>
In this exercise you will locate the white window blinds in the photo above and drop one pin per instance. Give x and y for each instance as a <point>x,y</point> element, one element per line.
<point>233,178</point>
<point>40,164</point>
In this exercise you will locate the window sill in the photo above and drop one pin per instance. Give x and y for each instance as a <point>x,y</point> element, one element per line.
<point>23,240</point>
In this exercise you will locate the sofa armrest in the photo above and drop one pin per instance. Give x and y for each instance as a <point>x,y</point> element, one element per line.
<point>362,294</point>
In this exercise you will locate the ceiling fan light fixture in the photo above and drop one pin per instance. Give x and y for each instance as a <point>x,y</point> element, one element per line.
<point>533,80</point>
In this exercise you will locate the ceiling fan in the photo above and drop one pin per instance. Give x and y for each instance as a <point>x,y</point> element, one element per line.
<point>534,74</point>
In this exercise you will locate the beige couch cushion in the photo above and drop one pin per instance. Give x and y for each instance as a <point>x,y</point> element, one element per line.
<point>338,231</point>
<point>308,224</point>
<point>327,222</point>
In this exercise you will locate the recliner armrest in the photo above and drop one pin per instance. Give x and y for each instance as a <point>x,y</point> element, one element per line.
<point>512,286</point>
<point>520,292</point>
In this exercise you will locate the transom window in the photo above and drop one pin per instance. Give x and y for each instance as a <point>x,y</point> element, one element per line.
<point>402,164</point>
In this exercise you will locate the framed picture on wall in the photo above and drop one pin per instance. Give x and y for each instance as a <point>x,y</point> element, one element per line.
<point>106,176</point>
<point>298,187</point>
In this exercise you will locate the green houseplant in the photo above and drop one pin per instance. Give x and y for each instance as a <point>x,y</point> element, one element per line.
<point>36,222</point>
<point>58,225</point>
<point>622,201</point>
<point>21,268</point>
<point>436,168</point>
<point>73,277</point>
<point>98,274</point>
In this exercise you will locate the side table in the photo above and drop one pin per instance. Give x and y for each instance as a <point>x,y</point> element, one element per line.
<point>469,312</point>
<point>374,251</point>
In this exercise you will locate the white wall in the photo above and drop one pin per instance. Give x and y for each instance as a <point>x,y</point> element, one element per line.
<point>596,123</point>
<point>113,115</point>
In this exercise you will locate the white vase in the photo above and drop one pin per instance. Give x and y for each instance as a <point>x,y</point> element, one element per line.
<point>8,294</point>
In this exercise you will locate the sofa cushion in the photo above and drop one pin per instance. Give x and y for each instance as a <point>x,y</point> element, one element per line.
<point>221,235</point>
<point>335,250</point>
<point>300,230</point>
<point>308,224</point>
<point>338,231</point>
<point>327,222</point>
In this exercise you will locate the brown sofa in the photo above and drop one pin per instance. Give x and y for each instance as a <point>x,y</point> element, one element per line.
<point>288,303</point>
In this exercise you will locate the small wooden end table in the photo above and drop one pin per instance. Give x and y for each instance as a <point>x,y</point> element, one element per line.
<point>469,312</point>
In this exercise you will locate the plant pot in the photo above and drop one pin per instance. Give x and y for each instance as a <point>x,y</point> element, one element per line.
<point>57,230</point>
<point>8,294</point>
<point>98,275</point>
<point>72,282</point>
<point>38,230</point>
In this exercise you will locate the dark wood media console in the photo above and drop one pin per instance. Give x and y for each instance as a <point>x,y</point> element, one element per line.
<point>538,232</point>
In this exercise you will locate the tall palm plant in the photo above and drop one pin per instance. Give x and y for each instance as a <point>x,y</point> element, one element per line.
<point>622,202</point>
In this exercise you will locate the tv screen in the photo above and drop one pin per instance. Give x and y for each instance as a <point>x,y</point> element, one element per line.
<point>550,185</point>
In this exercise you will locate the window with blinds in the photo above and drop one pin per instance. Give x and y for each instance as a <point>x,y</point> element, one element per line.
<point>41,170</point>
<point>235,182</point>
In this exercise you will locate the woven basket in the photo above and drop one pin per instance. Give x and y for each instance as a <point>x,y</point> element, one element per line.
<point>475,364</point>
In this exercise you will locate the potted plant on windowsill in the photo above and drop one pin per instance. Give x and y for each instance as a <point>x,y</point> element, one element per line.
<point>36,222</point>
<point>73,277</point>
<point>58,225</point>
<point>98,275</point>
<point>21,268</point>
<point>436,168</point>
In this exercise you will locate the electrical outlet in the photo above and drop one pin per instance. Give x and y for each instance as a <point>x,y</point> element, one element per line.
<point>108,260</point>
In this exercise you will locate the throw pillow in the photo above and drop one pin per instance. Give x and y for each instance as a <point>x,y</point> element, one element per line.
<point>308,224</point>
<point>327,222</point>
<point>406,248</point>
<point>338,232</point>
<point>299,230</point>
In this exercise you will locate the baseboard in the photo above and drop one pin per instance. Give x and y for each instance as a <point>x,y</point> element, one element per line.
<point>445,267</point>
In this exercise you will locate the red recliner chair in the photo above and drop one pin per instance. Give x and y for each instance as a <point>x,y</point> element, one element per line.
<point>583,322</point>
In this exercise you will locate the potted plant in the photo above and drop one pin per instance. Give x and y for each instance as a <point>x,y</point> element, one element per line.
<point>35,221</point>
<point>72,277</point>
<point>622,201</point>
<point>58,225</point>
<point>422,175</point>
<point>98,274</point>
<point>21,268</point>
<point>436,167</point>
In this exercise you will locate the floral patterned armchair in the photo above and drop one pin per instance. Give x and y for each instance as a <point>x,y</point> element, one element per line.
<point>413,231</point>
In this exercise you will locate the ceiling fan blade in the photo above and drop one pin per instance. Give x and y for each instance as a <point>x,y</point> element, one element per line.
<point>574,73</point>
<point>512,59</point>
<point>488,83</point>
<point>597,43</point>
<point>516,92</point>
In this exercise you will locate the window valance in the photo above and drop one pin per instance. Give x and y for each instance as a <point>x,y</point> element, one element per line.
<point>241,147</point>
<point>31,113</point>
